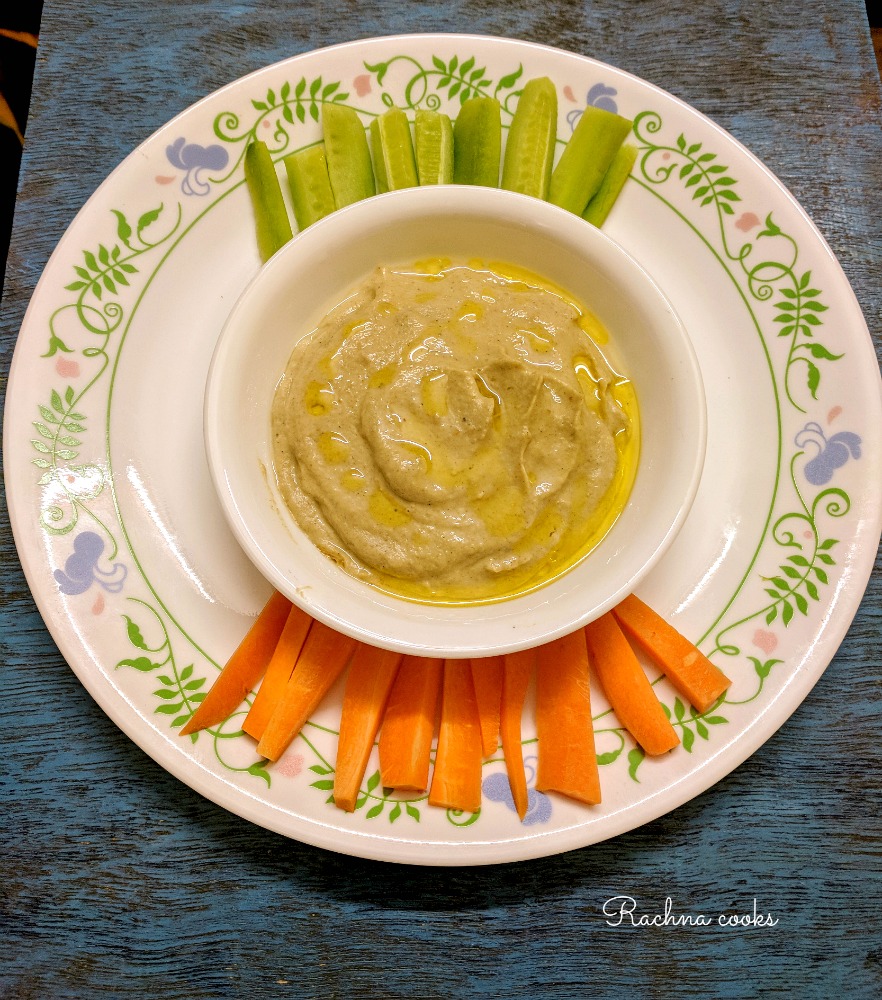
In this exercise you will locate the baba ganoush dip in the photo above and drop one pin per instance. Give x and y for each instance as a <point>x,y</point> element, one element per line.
<point>453,433</point>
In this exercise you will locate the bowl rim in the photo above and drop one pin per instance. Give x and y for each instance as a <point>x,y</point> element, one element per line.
<point>459,621</point>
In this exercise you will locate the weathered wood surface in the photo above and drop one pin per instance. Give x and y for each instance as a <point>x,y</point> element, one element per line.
<point>118,881</point>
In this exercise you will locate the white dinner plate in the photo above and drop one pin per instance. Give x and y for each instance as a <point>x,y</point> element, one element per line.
<point>145,590</point>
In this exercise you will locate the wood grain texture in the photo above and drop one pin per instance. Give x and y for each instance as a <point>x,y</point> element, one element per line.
<point>118,881</point>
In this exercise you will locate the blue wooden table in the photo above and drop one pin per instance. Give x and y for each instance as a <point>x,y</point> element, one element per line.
<point>118,881</point>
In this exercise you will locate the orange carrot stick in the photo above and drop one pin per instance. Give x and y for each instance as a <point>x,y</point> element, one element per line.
<point>322,659</point>
<point>278,672</point>
<point>371,674</point>
<point>567,758</point>
<point>409,724</point>
<point>456,780</point>
<point>517,669</point>
<point>688,669</point>
<point>244,668</point>
<point>487,678</point>
<point>629,692</point>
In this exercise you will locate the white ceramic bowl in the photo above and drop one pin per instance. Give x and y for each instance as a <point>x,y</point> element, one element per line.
<point>316,270</point>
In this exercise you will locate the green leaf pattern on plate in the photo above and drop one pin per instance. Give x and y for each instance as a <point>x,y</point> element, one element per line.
<point>294,104</point>
<point>799,306</point>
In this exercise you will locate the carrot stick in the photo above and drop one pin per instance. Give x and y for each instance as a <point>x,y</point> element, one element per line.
<point>244,668</point>
<point>567,758</point>
<point>688,669</point>
<point>409,724</point>
<point>487,678</point>
<point>278,672</point>
<point>456,780</point>
<point>370,679</point>
<point>322,659</point>
<point>629,692</point>
<point>517,669</point>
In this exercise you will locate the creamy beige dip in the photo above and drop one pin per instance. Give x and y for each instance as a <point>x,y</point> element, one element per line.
<point>451,435</point>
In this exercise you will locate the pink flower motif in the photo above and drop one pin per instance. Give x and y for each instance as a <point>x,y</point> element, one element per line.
<point>163,179</point>
<point>765,640</point>
<point>67,368</point>
<point>98,606</point>
<point>362,84</point>
<point>833,414</point>
<point>291,764</point>
<point>747,221</point>
<point>568,93</point>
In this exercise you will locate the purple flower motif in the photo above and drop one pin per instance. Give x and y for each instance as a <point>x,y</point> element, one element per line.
<point>599,96</point>
<point>81,569</point>
<point>496,788</point>
<point>193,158</point>
<point>831,453</point>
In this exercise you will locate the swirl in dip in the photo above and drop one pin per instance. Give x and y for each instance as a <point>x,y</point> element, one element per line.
<point>453,433</point>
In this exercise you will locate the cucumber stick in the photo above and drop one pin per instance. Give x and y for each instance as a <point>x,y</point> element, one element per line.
<point>529,149</point>
<point>392,147</point>
<point>348,155</point>
<point>477,142</point>
<point>271,220</point>
<point>311,193</point>
<point>586,158</point>
<point>610,187</point>
<point>433,134</point>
